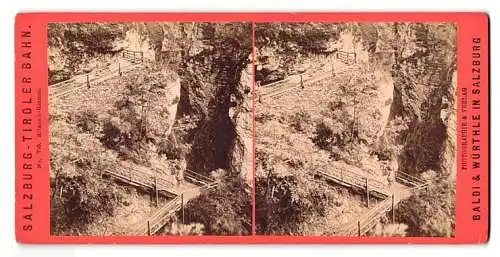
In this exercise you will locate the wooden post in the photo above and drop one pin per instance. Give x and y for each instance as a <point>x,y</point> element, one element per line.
<point>354,115</point>
<point>367,193</point>
<point>88,81</point>
<point>359,228</point>
<point>333,70</point>
<point>393,210</point>
<point>119,68</point>
<point>354,57</point>
<point>146,119</point>
<point>149,229</point>
<point>301,81</point>
<point>182,207</point>
<point>156,191</point>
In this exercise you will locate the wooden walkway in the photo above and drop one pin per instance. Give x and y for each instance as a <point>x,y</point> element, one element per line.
<point>161,185</point>
<point>368,220</point>
<point>275,89</point>
<point>351,179</point>
<point>126,63</point>
<point>162,216</point>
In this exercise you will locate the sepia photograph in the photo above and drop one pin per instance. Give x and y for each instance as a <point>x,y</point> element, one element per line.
<point>355,129</point>
<point>150,128</point>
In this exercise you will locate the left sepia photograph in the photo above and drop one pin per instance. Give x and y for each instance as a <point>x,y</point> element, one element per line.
<point>150,128</point>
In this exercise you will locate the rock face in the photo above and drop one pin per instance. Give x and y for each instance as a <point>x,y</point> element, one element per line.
<point>240,114</point>
<point>385,85</point>
<point>348,43</point>
<point>173,91</point>
<point>215,88</point>
<point>415,79</point>
<point>425,92</point>
<point>449,118</point>
<point>135,41</point>
<point>269,65</point>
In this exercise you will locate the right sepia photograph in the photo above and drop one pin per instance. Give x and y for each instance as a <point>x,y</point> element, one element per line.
<point>355,127</point>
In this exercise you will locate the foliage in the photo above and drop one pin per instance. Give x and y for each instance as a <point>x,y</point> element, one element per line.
<point>223,211</point>
<point>81,200</point>
<point>80,41</point>
<point>286,202</point>
<point>86,121</point>
<point>300,120</point>
<point>335,130</point>
<point>56,76</point>
<point>78,196</point>
<point>368,34</point>
<point>431,212</point>
<point>299,37</point>
<point>138,119</point>
<point>390,144</point>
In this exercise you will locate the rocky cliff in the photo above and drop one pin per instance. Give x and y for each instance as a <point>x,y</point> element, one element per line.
<point>425,92</point>
<point>215,88</point>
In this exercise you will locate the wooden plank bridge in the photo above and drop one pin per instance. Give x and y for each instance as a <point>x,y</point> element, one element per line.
<point>368,220</point>
<point>162,216</point>
<point>354,180</point>
<point>404,186</point>
<point>161,185</point>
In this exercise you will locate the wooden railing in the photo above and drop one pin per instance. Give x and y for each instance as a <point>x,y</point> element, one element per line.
<point>281,87</point>
<point>408,180</point>
<point>86,80</point>
<point>355,180</point>
<point>346,57</point>
<point>136,177</point>
<point>197,178</point>
<point>159,218</point>
<point>368,220</point>
<point>364,223</point>
<point>133,56</point>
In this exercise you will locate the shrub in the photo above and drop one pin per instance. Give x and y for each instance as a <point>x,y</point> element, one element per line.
<point>431,212</point>
<point>168,148</point>
<point>223,211</point>
<point>328,135</point>
<point>286,203</point>
<point>80,200</point>
<point>323,136</point>
<point>300,120</point>
<point>87,121</point>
